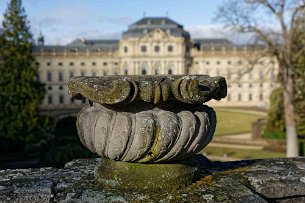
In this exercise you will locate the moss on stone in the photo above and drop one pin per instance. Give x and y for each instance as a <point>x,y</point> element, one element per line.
<point>126,175</point>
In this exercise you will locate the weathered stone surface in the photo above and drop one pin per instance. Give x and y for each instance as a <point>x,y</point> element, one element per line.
<point>270,180</point>
<point>125,175</point>
<point>153,135</point>
<point>153,89</point>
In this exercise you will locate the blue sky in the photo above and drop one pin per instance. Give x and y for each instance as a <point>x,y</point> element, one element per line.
<point>61,21</point>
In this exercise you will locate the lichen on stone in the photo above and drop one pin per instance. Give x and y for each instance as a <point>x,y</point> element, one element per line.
<point>153,89</point>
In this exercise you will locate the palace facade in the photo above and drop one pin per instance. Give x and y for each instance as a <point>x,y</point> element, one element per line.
<point>154,46</point>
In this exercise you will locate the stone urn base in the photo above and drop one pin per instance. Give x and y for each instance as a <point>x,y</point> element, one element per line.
<point>125,175</point>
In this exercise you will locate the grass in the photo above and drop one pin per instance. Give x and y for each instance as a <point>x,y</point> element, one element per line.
<point>242,153</point>
<point>234,121</point>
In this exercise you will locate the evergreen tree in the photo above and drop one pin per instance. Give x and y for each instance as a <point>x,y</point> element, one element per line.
<point>20,91</point>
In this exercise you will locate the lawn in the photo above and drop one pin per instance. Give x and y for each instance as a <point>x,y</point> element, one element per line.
<point>234,121</point>
<point>241,153</point>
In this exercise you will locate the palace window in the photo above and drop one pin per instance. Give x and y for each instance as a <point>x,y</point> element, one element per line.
<point>50,99</point>
<point>104,73</point>
<point>170,71</point>
<point>60,76</point>
<point>94,74</point>
<point>60,87</point>
<point>228,74</point>
<point>105,64</point>
<point>250,85</point>
<point>93,63</point>
<point>125,49</point>
<point>239,75</point>
<point>261,96</point>
<point>170,48</point>
<point>261,74</point>
<point>229,62</point>
<point>250,75</point>
<point>50,88</point>
<point>144,72</point>
<point>239,97</point>
<point>82,63</point>
<point>156,71</point>
<point>59,63</point>
<point>217,72</point>
<point>272,75</point>
<point>143,48</point>
<point>157,48</point>
<point>71,64</point>
<point>218,62</point>
<point>250,97</point>
<point>207,62</point>
<point>49,76</point>
<point>71,74</point>
<point>82,73</point>
<point>61,99</point>
<point>48,63</point>
<point>126,72</point>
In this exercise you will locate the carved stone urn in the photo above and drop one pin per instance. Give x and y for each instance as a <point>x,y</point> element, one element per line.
<point>138,124</point>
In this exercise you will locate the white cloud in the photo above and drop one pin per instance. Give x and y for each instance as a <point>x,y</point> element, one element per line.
<point>120,20</point>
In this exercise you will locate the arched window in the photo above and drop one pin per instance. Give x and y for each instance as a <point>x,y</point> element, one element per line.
<point>144,72</point>
<point>143,48</point>
<point>157,48</point>
<point>170,71</point>
<point>156,71</point>
<point>170,48</point>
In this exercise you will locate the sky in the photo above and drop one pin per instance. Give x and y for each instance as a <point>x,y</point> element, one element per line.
<point>62,21</point>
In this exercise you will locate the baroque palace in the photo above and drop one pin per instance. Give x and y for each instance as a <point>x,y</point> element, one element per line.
<point>153,46</point>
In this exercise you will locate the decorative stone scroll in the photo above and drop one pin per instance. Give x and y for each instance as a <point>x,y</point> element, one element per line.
<point>146,119</point>
<point>154,89</point>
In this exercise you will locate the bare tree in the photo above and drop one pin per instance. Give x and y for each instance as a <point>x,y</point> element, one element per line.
<point>272,23</point>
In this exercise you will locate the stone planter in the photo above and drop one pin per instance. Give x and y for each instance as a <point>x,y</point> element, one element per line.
<point>146,119</point>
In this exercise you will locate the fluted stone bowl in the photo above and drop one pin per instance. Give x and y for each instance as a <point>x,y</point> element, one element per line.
<point>147,119</point>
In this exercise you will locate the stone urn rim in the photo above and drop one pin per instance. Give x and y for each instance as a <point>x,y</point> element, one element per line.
<point>156,89</point>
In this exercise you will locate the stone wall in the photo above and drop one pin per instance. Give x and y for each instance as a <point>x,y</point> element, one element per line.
<point>269,180</point>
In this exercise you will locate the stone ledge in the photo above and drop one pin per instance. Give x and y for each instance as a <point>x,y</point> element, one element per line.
<point>268,180</point>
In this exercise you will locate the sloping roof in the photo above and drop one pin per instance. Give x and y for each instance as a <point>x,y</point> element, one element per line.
<point>221,41</point>
<point>148,24</point>
<point>82,46</point>
<point>93,42</point>
<point>155,21</point>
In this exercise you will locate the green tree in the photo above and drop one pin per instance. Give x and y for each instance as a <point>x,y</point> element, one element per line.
<point>20,90</point>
